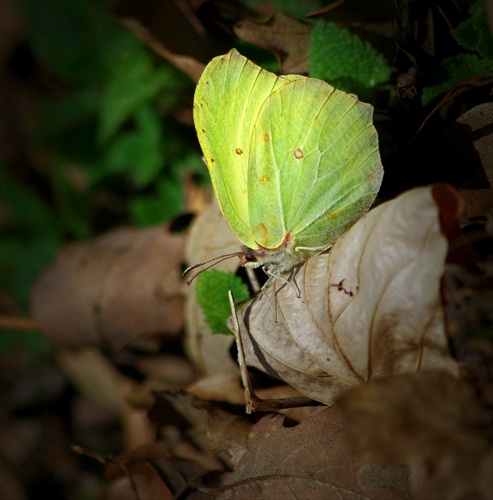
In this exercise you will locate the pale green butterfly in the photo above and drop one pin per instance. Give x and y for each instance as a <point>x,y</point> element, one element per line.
<point>294,162</point>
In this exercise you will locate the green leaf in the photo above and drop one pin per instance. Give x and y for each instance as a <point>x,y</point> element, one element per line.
<point>345,61</point>
<point>28,209</point>
<point>455,70</point>
<point>68,36</point>
<point>139,152</point>
<point>63,113</point>
<point>24,345</point>
<point>473,33</point>
<point>212,295</point>
<point>22,260</point>
<point>133,84</point>
<point>164,204</point>
<point>72,206</point>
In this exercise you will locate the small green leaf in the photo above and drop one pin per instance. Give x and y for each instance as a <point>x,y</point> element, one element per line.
<point>140,151</point>
<point>28,209</point>
<point>165,203</point>
<point>456,69</point>
<point>22,260</point>
<point>345,61</point>
<point>212,295</point>
<point>129,88</point>
<point>473,33</point>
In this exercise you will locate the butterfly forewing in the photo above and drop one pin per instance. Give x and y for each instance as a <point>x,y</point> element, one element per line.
<point>227,101</point>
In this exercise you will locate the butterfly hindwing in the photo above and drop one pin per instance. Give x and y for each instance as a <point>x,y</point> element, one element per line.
<point>319,149</point>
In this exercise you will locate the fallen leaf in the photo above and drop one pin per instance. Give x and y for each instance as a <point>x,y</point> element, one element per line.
<point>307,461</point>
<point>149,472</point>
<point>472,134</point>
<point>468,295</point>
<point>431,422</point>
<point>119,288</point>
<point>477,203</point>
<point>173,371</point>
<point>175,31</point>
<point>209,236</point>
<point>288,38</point>
<point>369,308</point>
<point>223,387</point>
<point>227,434</point>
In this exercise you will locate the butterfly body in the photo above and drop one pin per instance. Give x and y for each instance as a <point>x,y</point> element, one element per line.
<point>293,161</point>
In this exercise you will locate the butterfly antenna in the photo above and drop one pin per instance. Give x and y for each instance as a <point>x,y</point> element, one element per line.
<point>215,261</point>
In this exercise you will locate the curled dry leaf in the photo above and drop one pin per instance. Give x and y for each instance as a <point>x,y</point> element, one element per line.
<point>149,472</point>
<point>369,308</point>
<point>307,461</point>
<point>471,134</point>
<point>288,38</point>
<point>116,289</point>
<point>209,352</point>
<point>431,422</point>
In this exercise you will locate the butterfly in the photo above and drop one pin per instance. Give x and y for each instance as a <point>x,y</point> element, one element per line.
<point>293,161</point>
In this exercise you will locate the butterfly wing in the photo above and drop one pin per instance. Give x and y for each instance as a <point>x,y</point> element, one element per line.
<point>227,101</point>
<point>314,165</point>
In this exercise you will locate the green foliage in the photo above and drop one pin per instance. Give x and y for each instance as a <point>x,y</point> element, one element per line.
<point>29,211</point>
<point>473,33</point>
<point>71,38</point>
<point>138,152</point>
<point>297,8</point>
<point>346,62</point>
<point>116,123</point>
<point>474,36</point>
<point>131,86</point>
<point>212,295</point>
<point>27,344</point>
<point>106,148</point>
<point>164,204</point>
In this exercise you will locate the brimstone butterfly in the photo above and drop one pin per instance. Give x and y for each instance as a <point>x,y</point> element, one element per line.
<point>293,161</point>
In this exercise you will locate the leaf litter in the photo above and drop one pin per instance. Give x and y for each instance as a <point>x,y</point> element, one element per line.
<point>421,401</point>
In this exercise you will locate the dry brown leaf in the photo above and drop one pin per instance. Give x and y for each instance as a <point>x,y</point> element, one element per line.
<point>429,421</point>
<point>468,295</point>
<point>173,371</point>
<point>149,472</point>
<point>477,203</point>
<point>96,378</point>
<point>307,461</point>
<point>119,288</point>
<point>209,236</point>
<point>472,134</point>
<point>227,434</point>
<point>369,308</point>
<point>288,38</point>
<point>223,387</point>
<point>174,30</point>
<point>203,420</point>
